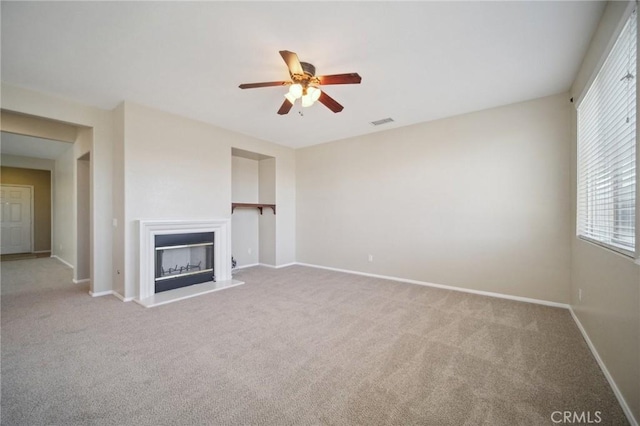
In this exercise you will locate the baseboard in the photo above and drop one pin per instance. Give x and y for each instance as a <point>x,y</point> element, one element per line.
<point>111,293</point>
<point>82,281</point>
<point>286,265</point>
<point>62,260</point>
<point>100,293</point>
<point>266,265</point>
<point>246,266</point>
<point>444,287</point>
<point>603,367</point>
<point>41,251</point>
<point>121,297</point>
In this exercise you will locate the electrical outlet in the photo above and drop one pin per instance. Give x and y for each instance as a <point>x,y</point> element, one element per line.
<point>580,294</point>
<point>370,258</point>
<point>249,251</point>
<point>60,246</point>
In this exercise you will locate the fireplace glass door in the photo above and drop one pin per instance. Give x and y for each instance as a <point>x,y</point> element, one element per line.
<point>183,260</point>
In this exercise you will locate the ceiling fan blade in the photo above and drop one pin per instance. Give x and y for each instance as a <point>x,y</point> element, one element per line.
<point>265,84</point>
<point>293,63</point>
<point>285,108</point>
<point>330,103</point>
<point>351,78</point>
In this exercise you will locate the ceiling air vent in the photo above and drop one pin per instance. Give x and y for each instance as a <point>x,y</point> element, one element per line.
<point>383,121</point>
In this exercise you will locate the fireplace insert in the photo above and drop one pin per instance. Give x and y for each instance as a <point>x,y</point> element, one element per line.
<point>183,260</point>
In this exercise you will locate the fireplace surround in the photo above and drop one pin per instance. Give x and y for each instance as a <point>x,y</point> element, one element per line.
<point>195,255</point>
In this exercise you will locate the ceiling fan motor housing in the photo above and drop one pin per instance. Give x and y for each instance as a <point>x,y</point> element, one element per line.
<point>308,69</point>
<point>308,77</point>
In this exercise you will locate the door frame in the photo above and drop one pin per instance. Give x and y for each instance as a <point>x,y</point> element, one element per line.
<point>4,185</point>
<point>89,213</point>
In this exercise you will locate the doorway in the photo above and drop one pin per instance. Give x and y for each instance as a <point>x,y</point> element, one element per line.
<point>67,150</point>
<point>16,217</point>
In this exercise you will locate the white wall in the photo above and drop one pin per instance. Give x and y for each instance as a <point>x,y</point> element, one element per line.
<point>245,245</point>
<point>83,225</point>
<point>22,124</point>
<point>118,218</point>
<point>83,201</point>
<point>610,307</point>
<point>27,162</point>
<point>285,233</point>
<point>178,168</point>
<point>63,244</point>
<point>175,169</point>
<point>479,201</point>
<point>267,195</point>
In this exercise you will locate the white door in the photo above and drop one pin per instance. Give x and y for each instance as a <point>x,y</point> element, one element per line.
<point>16,219</point>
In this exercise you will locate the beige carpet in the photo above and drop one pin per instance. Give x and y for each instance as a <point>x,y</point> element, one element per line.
<point>295,346</point>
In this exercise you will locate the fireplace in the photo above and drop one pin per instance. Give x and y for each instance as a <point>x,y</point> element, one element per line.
<point>176,254</point>
<point>183,260</point>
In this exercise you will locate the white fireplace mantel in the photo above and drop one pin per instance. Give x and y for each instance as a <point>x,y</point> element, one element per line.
<point>221,258</point>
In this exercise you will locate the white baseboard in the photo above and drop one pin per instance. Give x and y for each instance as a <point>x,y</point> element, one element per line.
<point>111,293</point>
<point>444,287</point>
<point>603,367</point>
<point>62,260</point>
<point>285,265</point>
<point>41,251</point>
<point>246,266</point>
<point>266,265</point>
<point>121,297</point>
<point>82,281</point>
<point>100,293</point>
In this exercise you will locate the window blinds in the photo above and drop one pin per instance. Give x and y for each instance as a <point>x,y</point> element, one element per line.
<point>607,149</point>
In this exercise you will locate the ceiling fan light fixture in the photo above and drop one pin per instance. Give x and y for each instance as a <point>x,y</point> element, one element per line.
<point>314,92</point>
<point>307,100</point>
<point>295,90</point>
<point>290,97</point>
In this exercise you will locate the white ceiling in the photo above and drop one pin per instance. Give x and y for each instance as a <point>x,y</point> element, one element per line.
<point>27,146</point>
<point>419,61</point>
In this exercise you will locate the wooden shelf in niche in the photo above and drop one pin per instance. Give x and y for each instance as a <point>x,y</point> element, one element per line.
<point>258,206</point>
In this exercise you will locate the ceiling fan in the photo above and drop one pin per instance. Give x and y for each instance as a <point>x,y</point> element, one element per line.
<point>304,84</point>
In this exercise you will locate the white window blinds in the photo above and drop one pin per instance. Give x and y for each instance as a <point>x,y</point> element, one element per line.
<point>607,149</point>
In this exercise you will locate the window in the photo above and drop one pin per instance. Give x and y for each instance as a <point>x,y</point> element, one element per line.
<point>607,149</point>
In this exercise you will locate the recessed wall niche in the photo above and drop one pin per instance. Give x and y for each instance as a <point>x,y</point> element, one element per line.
<point>253,181</point>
